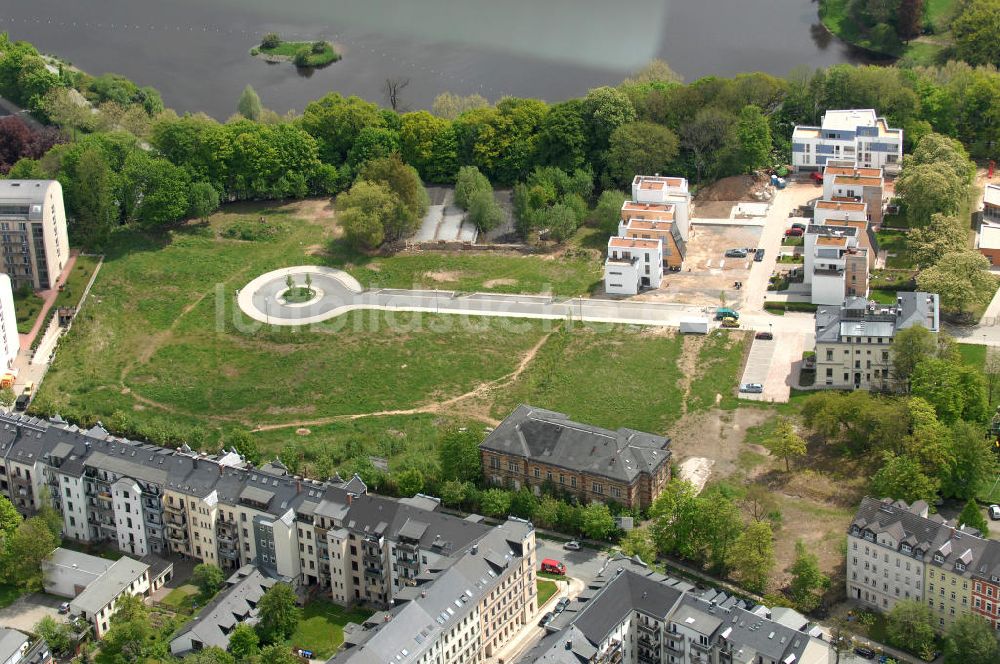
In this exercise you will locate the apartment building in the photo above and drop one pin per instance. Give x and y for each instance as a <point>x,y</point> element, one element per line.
<point>857,136</point>
<point>898,551</point>
<point>35,247</point>
<point>534,447</point>
<point>991,203</point>
<point>632,615</point>
<point>854,340</point>
<point>464,609</point>
<point>988,239</point>
<point>632,265</point>
<point>215,508</point>
<point>835,265</point>
<point>650,221</point>
<point>859,185</point>
<point>10,341</point>
<point>666,191</point>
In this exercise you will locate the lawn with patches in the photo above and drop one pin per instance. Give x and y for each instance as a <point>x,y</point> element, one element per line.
<point>894,244</point>
<point>593,375</point>
<point>720,359</point>
<point>27,306</point>
<point>546,589</point>
<point>322,627</point>
<point>181,599</point>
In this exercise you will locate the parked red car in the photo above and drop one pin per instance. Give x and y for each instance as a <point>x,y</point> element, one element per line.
<point>794,232</point>
<point>553,566</point>
<point>816,177</point>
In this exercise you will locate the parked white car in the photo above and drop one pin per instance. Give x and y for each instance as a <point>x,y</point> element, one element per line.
<point>994,511</point>
<point>572,545</point>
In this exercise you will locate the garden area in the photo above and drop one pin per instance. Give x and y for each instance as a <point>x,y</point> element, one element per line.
<point>546,589</point>
<point>894,30</point>
<point>321,628</point>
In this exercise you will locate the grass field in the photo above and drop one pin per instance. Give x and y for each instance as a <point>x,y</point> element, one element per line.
<point>162,350</point>
<point>546,589</point>
<point>27,307</point>
<point>894,243</point>
<point>322,627</point>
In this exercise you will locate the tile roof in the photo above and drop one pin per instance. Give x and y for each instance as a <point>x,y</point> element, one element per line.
<point>233,605</point>
<point>553,438</point>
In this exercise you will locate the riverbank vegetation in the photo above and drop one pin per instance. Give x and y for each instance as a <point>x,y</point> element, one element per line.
<point>916,30</point>
<point>301,54</point>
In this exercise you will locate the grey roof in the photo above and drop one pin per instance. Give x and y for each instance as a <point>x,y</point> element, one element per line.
<point>27,192</point>
<point>404,634</point>
<point>550,437</point>
<point>901,520</point>
<point>444,533</point>
<point>103,590</point>
<point>11,641</point>
<point>860,318</point>
<point>230,607</point>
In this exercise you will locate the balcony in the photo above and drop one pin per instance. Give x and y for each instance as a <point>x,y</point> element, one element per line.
<point>405,545</point>
<point>176,509</point>
<point>704,647</point>
<point>176,519</point>
<point>675,646</point>
<point>653,630</point>
<point>373,572</point>
<point>409,563</point>
<point>649,641</point>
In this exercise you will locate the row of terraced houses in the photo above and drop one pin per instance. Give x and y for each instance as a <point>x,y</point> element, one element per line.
<point>900,552</point>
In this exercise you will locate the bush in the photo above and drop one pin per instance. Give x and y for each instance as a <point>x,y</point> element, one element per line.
<point>484,211</point>
<point>318,47</point>
<point>270,40</point>
<point>790,306</point>
<point>468,183</point>
<point>301,58</point>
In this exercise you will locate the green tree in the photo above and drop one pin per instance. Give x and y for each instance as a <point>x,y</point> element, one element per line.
<point>469,182</point>
<point>784,442</point>
<point>484,211</point>
<point>420,137</point>
<point>249,105</point>
<point>56,634</point>
<point>973,517</point>
<point>210,655</point>
<point>208,578</point>
<point>640,148</point>
<point>604,110</point>
<point>277,613</point>
<point>961,278</point>
<point>670,514</point>
<point>278,654</point>
<point>955,390</point>
<point>910,19</point>
<point>449,106</point>
<point>124,643</point>
<point>30,544</point>
<point>607,212</point>
<point>153,191</point>
<point>270,40</point>
<point>970,640</point>
<point>523,503</point>
<point>597,522</point>
<point>495,502</point>
<point>10,519</point>
<point>411,196</point>
<point>373,143</point>
<point>753,135</point>
<point>808,582</point>
<point>973,461</point>
<point>458,455</point>
<point>454,492</point>
<point>562,137</point>
<point>707,137</point>
<point>639,542</point>
<point>975,31</point>
<point>244,642</point>
<point>335,122</point>
<point>204,200</point>
<point>751,556</point>
<point>909,348</point>
<point>547,512</point>
<point>7,397</point>
<point>929,189</point>
<point>91,192</point>
<point>364,211</point>
<point>909,626</point>
<point>901,477</point>
<point>561,222</point>
<point>410,482</point>
<point>242,441</point>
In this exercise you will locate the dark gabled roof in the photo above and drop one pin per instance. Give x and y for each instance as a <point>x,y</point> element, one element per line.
<point>626,592</point>
<point>903,522</point>
<point>549,437</point>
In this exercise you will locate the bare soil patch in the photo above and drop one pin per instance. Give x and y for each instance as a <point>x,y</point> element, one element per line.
<point>715,434</point>
<point>734,188</point>
<point>493,283</point>
<point>443,276</point>
<point>302,431</point>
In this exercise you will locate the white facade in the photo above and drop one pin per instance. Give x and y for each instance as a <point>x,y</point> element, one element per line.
<point>669,190</point>
<point>74,506</point>
<point>826,211</point>
<point>10,342</point>
<point>33,226</point>
<point>632,264</point>
<point>126,499</point>
<point>858,136</point>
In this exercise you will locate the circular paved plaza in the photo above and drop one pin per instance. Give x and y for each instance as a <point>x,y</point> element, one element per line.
<point>334,291</point>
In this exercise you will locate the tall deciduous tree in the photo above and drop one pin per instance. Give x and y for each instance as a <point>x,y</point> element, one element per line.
<point>808,581</point>
<point>751,557</point>
<point>975,30</point>
<point>785,442</point>
<point>607,212</point>
<point>596,521</point>
<point>278,615</point>
<point>971,640</point>
<point>961,278</point>
<point>942,235</point>
<point>10,519</point>
<point>909,626</point>
<point>249,105</point>
<point>640,148</point>
<point>909,348</point>
<point>30,544</point>
<point>208,578</point>
<point>901,477</point>
<point>753,136</point>
<point>638,542</point>
<point>204,200</point>
<point>972,516</point>
<point>93,185</point>
<point>244,642</point>
<point>910,19</point>
<point>410,482</point>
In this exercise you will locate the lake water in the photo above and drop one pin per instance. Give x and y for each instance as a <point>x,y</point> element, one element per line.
<point>196,51</point>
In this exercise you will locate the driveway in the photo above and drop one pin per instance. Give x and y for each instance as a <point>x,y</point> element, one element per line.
<point>25,613</point>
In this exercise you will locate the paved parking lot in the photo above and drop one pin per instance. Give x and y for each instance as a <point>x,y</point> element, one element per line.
<point>25,613</point>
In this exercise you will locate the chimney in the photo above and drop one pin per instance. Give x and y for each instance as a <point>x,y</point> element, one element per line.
<point>475,549</point>
<point>350,498</point>
<point>423,593</point>
<point>569,644</point>
<point>298,487</point>
<point>387,618</point>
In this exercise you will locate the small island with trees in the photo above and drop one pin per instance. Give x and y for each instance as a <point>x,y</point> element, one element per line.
<point>302,54</point>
